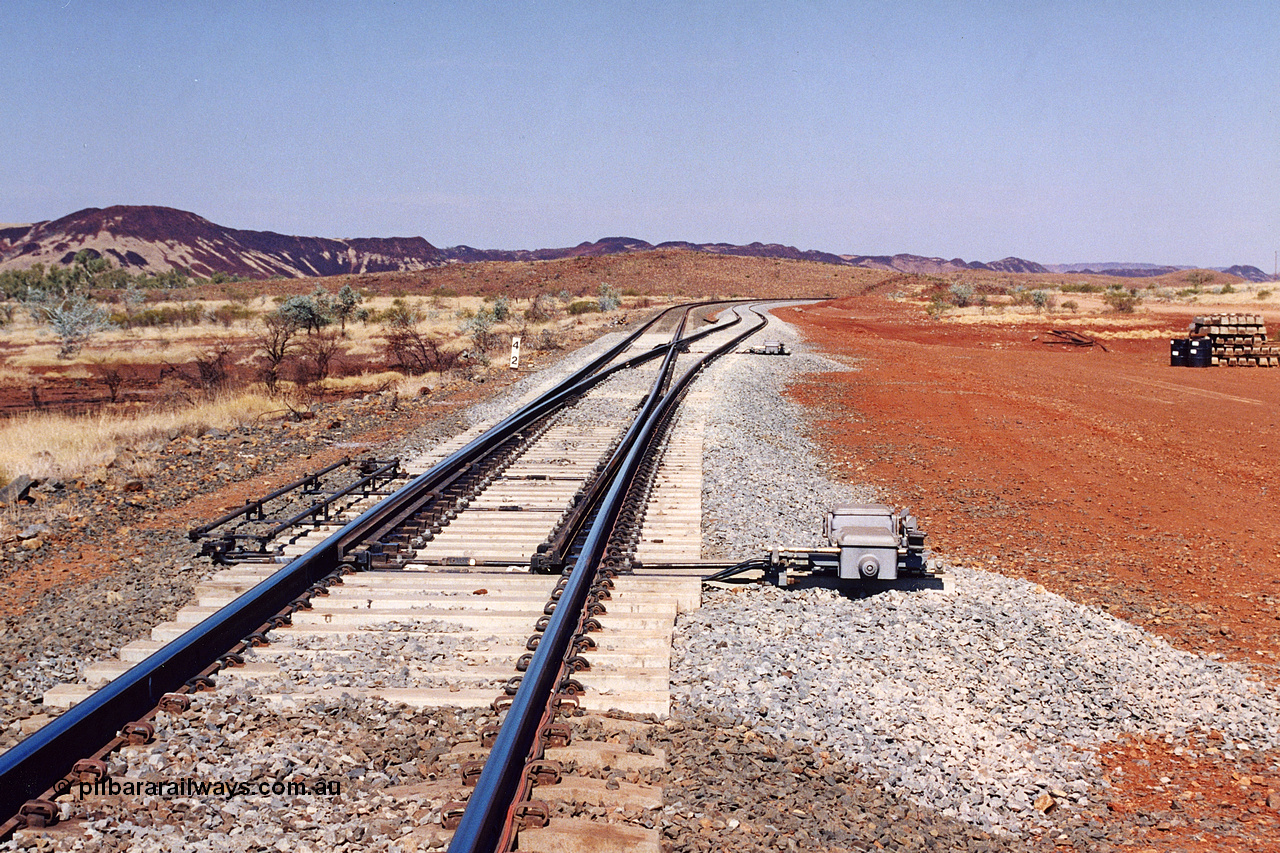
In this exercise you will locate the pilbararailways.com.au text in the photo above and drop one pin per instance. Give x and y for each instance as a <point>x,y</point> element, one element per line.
<point>198,788</point>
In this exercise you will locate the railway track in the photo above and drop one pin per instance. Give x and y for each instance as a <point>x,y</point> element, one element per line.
<point>532,567</point>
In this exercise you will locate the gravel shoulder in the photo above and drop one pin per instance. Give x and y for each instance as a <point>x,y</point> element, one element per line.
<point>1012,691</point>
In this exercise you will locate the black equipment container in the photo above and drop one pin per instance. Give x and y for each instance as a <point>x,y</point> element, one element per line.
<point>1178,352</point>
<point>1199,352</point>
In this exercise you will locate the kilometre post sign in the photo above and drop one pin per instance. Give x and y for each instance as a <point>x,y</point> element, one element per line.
<point>515,352</point>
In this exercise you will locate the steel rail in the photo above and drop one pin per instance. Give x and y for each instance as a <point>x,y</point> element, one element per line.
<point>223,548</point>
<point>196,533</point>
<point>387,470</point>
<point>35,764</point>
<point>553,554</point>
<point>485,824</point>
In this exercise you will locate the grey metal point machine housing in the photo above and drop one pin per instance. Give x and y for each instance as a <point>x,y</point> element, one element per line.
<point>873,540</point>
<point>871,547</point>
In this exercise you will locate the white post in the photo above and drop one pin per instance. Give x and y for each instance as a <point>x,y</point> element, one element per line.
<point>515,352</point>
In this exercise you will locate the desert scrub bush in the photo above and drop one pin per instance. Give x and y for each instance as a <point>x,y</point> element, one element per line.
<point>311,313</point>
<point>346,306</point>
<point>1122,301</point>
<point>609,299</point>
<point>90,271</point>
<point>1263,294</point>
<point>317,355</point>
<point>542,309</point>
<point>937,307</point>
<point>230,313</point>
<point>480,327</point>
<point>1227,288</point>
<point>186,314</point>
<point>1042,300</point>
<point>112,376</point>
<point>1071,305</point>
<point>274,342</point>
<point>400,313</point>
<point>1080,287</point>
<point>583,306</point>
<point>501,308</point>
<point>212,368</point>
<point>960,294</point>
<point>73,317</point>
<point>414,352</point>
<point>548,340</point>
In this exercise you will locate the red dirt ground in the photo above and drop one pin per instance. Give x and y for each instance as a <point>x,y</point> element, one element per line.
<point>1195,793</point>
<point>1109,477</point>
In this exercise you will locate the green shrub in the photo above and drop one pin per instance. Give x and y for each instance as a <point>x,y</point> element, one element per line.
<point>1122,301</point>
<point>1264,294</point>
<point>228,314</point>
<point>399,313</point>
<point>312,312</point>
<point>938,307</point>
<point>1042,300</point>
<point>187,314</point>
<point>501,308</point>
<point>961,294</point>
<point>1080,287</point>
<point>609,299</point>
<point>584,306</point>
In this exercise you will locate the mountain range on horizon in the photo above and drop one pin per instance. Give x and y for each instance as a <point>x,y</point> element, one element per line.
<point>154,239</point>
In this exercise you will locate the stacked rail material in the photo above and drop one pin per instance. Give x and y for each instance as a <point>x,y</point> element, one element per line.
<point>1237,340</point>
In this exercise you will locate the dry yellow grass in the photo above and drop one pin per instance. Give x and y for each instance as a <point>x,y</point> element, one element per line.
<point>442,318</point>
<point>14,375</point>
<point>52,445</point>
<point>383,380</point>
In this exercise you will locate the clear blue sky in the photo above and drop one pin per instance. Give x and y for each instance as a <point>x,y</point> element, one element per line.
<point>1058,132</point>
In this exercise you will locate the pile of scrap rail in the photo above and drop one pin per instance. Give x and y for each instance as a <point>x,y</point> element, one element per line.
<point>1073,338</point>
<point>1236,340</point>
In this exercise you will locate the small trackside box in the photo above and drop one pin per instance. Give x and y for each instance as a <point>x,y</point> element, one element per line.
<point>867,553</point>
<point>867,536</point>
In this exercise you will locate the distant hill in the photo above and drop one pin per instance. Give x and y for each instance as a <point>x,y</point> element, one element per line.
<point>1250,273</point>
<point>157,239</point>
<point>1131,270</point>
<point>1107,267</point>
